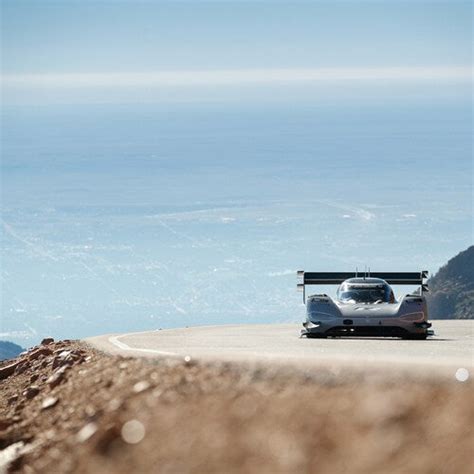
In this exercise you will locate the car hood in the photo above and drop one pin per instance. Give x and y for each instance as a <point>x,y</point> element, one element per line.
<point>362,310</point>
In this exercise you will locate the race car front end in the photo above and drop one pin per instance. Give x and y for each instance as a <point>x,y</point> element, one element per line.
<point>412,326</point>
<point>364,308</point>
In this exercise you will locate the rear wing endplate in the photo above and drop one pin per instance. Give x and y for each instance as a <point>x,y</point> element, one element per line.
<point>336,278</point>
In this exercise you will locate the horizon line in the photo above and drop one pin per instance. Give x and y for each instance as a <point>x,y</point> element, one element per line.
<point>249,76</point>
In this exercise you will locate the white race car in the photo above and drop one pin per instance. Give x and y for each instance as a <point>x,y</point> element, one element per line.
<point>366,306</point>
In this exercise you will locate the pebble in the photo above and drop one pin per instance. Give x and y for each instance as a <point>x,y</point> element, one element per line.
<point>12,399</point>
<point>114,404</point>
<point>56,378</point>
<point>31,392</point>
<point>90,411</point>
<point>8,370</point>
<point>49,402</point>
<point>21,368</point>
<point>141,386</point>
<point>42,351</point>
<point>86,432</point>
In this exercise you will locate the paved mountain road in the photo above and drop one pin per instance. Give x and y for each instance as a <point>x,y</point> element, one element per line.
<point>451,348</point>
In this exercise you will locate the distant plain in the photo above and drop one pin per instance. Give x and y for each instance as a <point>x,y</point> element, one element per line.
<point>137,217</point>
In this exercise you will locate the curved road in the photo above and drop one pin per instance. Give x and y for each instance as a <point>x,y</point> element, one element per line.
<point>451,348</point>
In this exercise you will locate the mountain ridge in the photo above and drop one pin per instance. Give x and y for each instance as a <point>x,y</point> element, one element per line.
<point>8,350</point>
<point>452,288</point>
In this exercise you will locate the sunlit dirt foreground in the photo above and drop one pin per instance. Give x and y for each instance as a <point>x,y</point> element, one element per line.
<point>67,408</point>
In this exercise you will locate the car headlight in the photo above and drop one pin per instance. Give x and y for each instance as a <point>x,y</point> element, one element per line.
<point>412,317</point>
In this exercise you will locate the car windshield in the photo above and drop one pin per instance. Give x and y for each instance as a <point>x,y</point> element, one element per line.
<point>365,295</point>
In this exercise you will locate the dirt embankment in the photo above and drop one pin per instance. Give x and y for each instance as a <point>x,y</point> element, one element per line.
<point>66,408</point>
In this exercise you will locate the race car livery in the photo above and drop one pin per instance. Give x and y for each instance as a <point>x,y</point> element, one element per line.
<point>366,306</point>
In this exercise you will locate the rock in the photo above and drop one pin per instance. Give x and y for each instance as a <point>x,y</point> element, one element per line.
<point>99,437</point>
<point>8,370</point>
<point>62,351</point>
<point>115,404</point>
<point>90,411</point>
<point>61,356</point>
<point>57,377</point>
<point>13,456</point>
<point>86,432</point>
<point>49,402</point>
<point>46,341</point>
<point>21,368</point>
<point>56,363</point>
<point>31,392</point>
<point>34,378</point>
<point>141,386</point>
<point>10,454</point>
<point>42,351</point>
<point>12,399</point>
<point>78,356</point>
<point>67,358</point>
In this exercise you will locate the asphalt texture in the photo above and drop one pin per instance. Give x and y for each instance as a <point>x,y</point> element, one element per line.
<point>449,352</point>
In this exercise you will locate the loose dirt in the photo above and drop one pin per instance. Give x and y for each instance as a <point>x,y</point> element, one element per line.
<point>65,408</point>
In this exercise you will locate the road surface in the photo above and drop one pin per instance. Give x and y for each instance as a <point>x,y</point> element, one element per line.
<point>451,349</point>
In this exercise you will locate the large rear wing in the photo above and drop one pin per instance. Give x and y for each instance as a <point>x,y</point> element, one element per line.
<point>336,278</point>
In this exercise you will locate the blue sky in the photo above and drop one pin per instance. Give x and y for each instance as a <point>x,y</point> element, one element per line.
<point>89,44</point>
<point>147,36</point>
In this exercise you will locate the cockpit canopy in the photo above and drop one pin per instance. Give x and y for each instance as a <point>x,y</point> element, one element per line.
<point>365,290</point>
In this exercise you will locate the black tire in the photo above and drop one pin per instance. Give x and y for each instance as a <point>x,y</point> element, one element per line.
<point>316,336</point>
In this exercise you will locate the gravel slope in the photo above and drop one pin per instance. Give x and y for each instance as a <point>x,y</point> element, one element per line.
<point>110,414</point>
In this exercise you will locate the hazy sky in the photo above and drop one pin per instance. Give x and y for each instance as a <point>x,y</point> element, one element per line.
<point>84,44</point>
